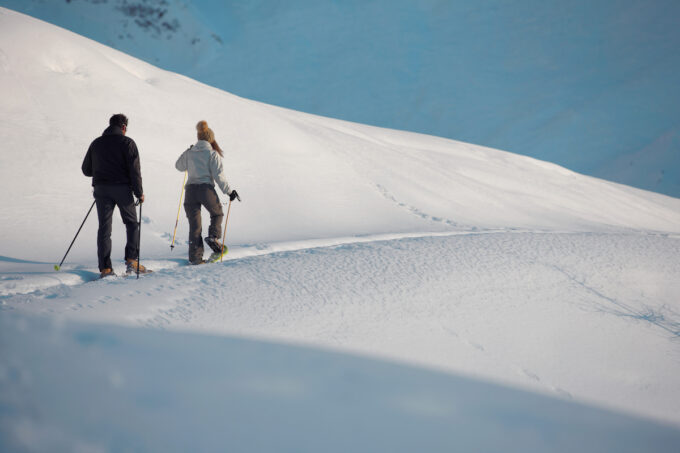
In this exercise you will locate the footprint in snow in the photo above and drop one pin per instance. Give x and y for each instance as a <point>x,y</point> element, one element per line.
<point>530,375</point>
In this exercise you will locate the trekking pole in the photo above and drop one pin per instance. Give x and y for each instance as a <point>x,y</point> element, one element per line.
<point>181,194</point>
<point>57,267</point>
<point>224,236</point>
<point>139,235</point>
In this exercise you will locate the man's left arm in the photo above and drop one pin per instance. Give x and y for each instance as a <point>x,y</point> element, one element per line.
<point>135,169</point>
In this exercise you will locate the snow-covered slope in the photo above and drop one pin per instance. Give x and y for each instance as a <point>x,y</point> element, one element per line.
<point>590,85</point>
<point>481,272</point>
<point>143,390</point>
<point>302,176</point>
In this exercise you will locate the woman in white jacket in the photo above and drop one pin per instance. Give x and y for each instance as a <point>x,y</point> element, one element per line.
<point>203,164</point>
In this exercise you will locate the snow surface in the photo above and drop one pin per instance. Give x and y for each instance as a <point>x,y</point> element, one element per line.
<point>384,290</point>
<point>588,84</point>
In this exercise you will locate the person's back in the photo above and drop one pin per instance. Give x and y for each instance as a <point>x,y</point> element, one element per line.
<point>113,158</point>
<point>203,165</point>
<point>197,163</point>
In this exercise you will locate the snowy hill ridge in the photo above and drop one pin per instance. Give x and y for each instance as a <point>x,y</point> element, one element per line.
<point>589,85</point>
<point>551,296</point>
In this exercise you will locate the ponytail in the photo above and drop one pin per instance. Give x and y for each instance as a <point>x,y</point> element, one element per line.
<point>217,148</point>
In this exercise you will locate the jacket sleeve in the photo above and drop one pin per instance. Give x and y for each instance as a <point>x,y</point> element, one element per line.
<point>87,163</point>
<point>135,169</point>
<point>181,163</point>
<point>217,172</point>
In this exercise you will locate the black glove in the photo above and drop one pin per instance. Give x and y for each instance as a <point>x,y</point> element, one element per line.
<point>234,195</point>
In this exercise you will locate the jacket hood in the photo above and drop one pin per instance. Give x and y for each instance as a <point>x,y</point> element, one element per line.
<point>202,145</point>
<point>113,130</point>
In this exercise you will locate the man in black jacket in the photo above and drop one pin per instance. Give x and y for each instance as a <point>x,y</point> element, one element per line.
<point>113,163</point>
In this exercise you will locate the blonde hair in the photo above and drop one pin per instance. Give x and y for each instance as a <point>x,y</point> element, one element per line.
<point>203,132</point>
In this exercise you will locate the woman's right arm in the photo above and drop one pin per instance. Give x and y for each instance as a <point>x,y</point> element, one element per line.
<point>217,173</point>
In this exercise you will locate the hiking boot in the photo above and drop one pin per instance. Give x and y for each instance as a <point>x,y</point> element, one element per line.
<point>214,244</point>
<point>132,267</point>
<point>196,263</point>
<point>108,272</point>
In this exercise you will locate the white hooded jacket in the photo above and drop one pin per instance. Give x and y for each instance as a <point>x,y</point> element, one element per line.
<point>203,165</point>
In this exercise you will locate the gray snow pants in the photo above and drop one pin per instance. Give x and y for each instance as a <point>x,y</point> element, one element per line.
<point>198,195</point>
<point>107,198</point>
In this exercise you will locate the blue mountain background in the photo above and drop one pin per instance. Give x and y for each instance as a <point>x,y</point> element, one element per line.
<point>590,85</point>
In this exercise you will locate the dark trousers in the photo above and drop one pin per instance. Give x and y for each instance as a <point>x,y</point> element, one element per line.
<point>107,198</point>
<point>198,195</point>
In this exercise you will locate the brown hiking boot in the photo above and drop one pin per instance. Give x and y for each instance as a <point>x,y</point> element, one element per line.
<point>108,272</point>
<point>132,267</point>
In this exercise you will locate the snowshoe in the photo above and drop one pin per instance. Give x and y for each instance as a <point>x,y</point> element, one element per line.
<point>216,256</point>
<point>131,268</point>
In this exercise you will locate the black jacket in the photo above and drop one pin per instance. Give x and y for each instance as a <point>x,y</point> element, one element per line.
<point>113,159</point>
